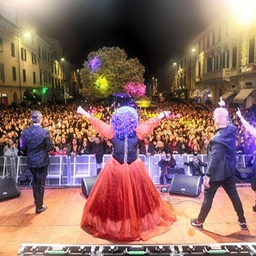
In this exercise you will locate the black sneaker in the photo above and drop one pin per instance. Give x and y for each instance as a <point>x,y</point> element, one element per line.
<point>243,225</point>
<point>196,224</point>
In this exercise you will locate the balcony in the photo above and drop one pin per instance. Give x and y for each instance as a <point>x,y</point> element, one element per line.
<point>219,75</point>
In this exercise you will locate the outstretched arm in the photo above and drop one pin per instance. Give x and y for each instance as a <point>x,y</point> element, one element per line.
<point>101,127</point>
<point>148,126</point>
<point>247,126</point>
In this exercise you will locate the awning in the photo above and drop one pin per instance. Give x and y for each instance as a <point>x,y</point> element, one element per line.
<point>196,93</point>
<point>242,95</point>
<point>204,91</point>
<point>228,94</point>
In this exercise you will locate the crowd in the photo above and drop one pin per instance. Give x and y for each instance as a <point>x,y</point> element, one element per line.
<point>189,133</point>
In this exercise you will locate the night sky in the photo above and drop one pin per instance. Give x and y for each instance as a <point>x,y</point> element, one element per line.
<point>151,30</point>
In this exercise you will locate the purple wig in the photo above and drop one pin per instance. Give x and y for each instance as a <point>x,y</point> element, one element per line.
<point>124,121</point>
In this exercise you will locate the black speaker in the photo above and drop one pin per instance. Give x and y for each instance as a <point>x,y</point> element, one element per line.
<point>185,185</point>
<point>87,184</point>
<point>172,171</point>
<point>8,189</point>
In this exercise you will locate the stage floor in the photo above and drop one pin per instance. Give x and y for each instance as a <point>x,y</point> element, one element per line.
<point>60,223</point>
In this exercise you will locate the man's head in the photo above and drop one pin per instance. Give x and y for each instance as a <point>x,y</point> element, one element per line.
<point>146,139</point>
<point>97,140</point>
<point>220,117</point>
<point>36,117</point>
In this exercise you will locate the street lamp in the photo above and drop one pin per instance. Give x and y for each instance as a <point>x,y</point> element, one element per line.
<point>174,65</point>
<point>64,80</point>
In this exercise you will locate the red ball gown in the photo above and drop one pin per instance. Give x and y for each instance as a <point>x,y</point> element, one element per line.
<point>124,204</point>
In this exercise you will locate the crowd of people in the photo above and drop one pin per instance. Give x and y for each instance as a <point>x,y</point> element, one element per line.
<point>187,133</point>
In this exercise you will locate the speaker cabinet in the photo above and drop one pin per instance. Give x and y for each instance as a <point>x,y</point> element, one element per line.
<point>172,171</point>
<point>87,184</point>
<point>185,185</point>
<point>8,189</point>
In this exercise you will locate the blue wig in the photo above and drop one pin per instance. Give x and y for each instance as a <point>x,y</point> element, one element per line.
<point>124,121</point>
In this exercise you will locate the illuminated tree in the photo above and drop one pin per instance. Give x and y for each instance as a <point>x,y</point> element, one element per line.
<point>135,90</point>
<point>107,71</point>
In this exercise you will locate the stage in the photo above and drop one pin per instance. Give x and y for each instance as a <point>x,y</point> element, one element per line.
<point>60,223</point>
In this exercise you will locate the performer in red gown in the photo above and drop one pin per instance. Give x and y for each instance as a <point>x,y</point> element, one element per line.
<point>124,204</point>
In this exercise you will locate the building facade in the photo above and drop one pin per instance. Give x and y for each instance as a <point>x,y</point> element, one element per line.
<point>31,67</point>
<point>222,63</point>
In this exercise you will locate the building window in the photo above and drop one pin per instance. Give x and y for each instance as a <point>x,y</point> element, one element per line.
<point>33,57</point>
<point>34,77</point>
<point>209,64</point>
<point>45,77</point>
<point>14,76</point>
<point>40,77</point>
<point>39,51</point>
<point>23,54</point>
<point>219,34</point>
<point>216,62</point>
<point>213,38</point>
<point>12,49</point>
<point>225,59</point>
<point>1,44</point>
<point>234,57</point>
<point>208,42</point>
<point>2,71</point>
<point>251,50</point>
<point>24,75</point>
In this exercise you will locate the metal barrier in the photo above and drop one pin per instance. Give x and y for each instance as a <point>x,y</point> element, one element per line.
<point>69,171</point>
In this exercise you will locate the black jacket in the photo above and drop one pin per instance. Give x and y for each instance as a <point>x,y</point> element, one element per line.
<point>150,149</point>
<point>221,153</point>
<point>164,165</point>
<point>37,142</point>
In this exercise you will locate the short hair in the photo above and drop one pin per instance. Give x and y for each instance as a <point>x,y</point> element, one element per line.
<point>220,116</point>
<point>36,116</point>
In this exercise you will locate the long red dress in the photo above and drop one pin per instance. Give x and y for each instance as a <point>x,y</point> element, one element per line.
<point>124,204</point>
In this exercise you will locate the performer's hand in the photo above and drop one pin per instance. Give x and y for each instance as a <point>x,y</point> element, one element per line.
<point>164,114</point>
<point>207,181</point>
<point>82,112</point>
<point>238,112</point>
<point>221,102</point>
<point>167,113</point>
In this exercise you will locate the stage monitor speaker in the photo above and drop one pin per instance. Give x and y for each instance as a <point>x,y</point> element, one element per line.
<point>185,185</point>
<point>172,171</point>
<point>8,189</point>
<point>87,184</point>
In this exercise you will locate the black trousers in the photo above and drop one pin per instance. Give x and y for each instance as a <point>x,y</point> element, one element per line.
<point>38,184</point>
<point>229,186</point>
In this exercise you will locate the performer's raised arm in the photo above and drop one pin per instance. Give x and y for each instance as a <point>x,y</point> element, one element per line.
<point>148,126</point>
<point>101,127</point>
<point>247,126</point>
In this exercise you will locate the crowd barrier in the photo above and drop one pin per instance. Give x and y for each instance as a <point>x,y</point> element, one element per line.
<point>69,171</point>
